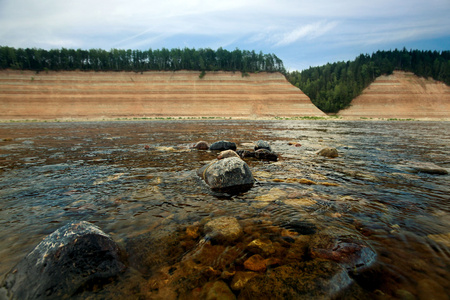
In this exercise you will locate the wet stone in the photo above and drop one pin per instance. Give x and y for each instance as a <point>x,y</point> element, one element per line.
<point>261,247</point>
<point>202,145</point>
<point>255,263</point>
<point>266,155</point>
<point>328,152</point>
<point>228,174</point>
<point>262,145</point>
<point>216,290</point>
<point>349,250</point>
<point>223,229</point>
<point>227,153</point>
<point>317,279</point>
<point>240,279</point>
<point>223,145</point>
<point>74,256</point>
<point>426,167</point>
<point>245,153</point>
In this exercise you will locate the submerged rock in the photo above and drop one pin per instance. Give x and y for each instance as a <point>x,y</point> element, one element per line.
<point>317,279</point>
<point>223,229</point>
<point>262,145</point>
<point>223,145</point>
<point>74,256</point>
<point>349,250</point>
<point>228,174</point>
<point>429,168</point>
<point>328,152</point>
<point>216,290</point>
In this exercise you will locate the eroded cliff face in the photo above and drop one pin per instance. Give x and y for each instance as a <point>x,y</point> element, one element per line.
<point>96,95</point>
<point>402,95</point>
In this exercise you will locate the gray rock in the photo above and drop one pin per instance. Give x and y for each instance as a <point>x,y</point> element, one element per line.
<point>227,174</point>
<point>70,258</point>
<point>262,145</point>
<point>223,145</point>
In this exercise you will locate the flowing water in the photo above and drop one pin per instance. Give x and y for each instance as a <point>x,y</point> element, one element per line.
<point>154,205</point>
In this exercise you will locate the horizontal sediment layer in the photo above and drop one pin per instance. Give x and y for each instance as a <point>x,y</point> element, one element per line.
<point>75,94</point>
<point>402,95</point>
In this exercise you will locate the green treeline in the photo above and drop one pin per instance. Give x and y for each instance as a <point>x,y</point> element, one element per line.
<point>333,86</point>
<point>138,60</point>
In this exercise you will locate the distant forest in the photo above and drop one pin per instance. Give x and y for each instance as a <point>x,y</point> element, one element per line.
<point>333,86</point>
<point>138,61</point>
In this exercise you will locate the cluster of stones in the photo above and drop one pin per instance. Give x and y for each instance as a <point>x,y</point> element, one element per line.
<point>230,173</point>
<point>251,258</point>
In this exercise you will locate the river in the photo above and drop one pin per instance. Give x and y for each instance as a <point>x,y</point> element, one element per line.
<point>154,205</point>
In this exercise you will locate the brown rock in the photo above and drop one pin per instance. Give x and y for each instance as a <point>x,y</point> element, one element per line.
<point>328,152</point>
<point>227,153</point>
<point>202,145</point>
<point>240,279</point>
<point>255,263</point>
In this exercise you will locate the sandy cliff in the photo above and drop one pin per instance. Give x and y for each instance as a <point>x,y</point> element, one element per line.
<point>92,95</point>
<point>402,95</point>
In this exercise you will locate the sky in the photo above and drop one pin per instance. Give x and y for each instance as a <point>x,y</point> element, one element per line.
<point>301,33</point>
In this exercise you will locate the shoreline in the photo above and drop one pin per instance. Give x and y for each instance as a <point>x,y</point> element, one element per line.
<point>202,118</point>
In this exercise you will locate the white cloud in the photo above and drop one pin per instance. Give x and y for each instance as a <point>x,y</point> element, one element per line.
<point>309,31</point>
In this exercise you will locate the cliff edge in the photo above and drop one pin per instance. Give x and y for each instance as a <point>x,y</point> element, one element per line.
<point>96,95</point>
<point>402,95</point>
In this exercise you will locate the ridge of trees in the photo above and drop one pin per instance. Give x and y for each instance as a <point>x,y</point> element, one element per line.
<point>139,60</point>
<point>332,87</point>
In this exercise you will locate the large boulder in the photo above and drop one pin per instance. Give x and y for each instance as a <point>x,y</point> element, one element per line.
<point>228,174</point>
<point>202,145</point>
<point>74,256</point>
<point>223,145</point>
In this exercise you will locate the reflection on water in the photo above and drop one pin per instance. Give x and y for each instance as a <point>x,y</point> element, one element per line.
<point>153,204</point>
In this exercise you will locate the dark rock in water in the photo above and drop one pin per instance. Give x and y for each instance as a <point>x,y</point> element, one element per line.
<point>266,154</point>
<point>71,258</point>
<point>202,145</point>
<point>262,145</point>
<point>301,227</point>
<point>328,152</point>
<point>227,153</point>
<point>223,145</point>
<point>245,153</point>
<point>428,168</point>
<point>349,250</point>
<point>227,174</point>
<point>317,279</point>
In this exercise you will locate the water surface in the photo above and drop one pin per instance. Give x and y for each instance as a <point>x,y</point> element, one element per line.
<point>54,173</point>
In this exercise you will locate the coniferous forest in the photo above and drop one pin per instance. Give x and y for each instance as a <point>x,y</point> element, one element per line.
<point>330,87</point>
<point>139,61</point>
<point>333,86</point>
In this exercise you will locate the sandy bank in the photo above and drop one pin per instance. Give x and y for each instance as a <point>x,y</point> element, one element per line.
<point>402,95</point>
<point>105,95</point>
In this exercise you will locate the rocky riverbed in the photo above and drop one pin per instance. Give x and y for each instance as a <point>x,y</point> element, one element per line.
<point>370,220</point>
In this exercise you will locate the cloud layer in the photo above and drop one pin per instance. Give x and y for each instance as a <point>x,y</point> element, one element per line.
<point>324,30</point>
